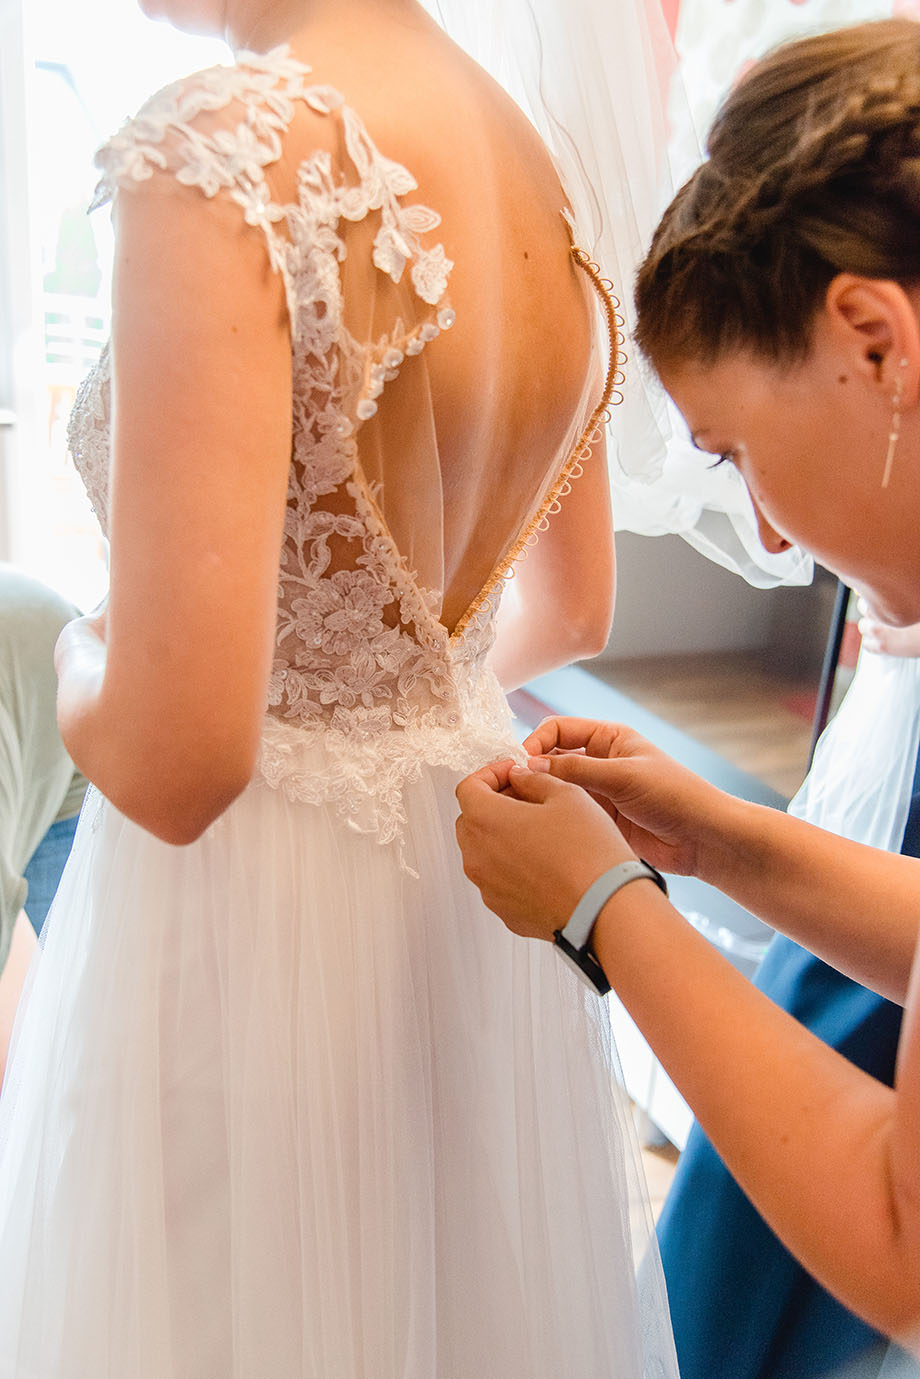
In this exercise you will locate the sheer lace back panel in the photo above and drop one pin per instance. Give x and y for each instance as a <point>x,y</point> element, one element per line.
<point>430,433</point>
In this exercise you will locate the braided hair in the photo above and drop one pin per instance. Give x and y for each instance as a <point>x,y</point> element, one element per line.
<point>813,170</point>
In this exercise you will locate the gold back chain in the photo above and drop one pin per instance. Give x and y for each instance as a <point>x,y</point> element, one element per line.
<point>573,468</point>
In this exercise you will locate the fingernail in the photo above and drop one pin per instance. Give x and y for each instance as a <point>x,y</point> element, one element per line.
<point>538,763</point>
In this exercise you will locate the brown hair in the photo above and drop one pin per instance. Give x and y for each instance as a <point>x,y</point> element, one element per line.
<point>813,170</point>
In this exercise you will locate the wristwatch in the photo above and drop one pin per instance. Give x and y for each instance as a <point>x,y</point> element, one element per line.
<point>574,941</point>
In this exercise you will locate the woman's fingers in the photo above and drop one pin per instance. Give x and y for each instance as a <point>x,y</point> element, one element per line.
<point>588,735</point>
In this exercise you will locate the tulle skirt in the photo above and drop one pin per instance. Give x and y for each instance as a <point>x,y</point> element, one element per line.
<point>279,1109</point>
<point>861,782</point>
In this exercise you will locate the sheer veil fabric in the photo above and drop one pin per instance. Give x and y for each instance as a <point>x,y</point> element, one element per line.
<point>600,82</point>
<point>595,79</point>
<point>861,781</point>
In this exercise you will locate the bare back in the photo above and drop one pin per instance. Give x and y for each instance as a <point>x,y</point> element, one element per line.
<point>509,389</point>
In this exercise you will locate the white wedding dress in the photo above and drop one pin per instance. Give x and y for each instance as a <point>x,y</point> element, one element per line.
<point>289,1103</point>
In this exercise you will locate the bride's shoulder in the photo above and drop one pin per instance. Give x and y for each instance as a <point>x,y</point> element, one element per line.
<point>216,127</point>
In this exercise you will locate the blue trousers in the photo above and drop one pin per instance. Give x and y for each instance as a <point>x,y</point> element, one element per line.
<point>44,870</point>
<point>741,1306</point>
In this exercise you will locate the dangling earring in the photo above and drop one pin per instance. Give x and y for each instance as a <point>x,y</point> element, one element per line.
<point>895,431</point>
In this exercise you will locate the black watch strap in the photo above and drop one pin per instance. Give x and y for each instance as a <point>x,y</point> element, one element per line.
<point>574,941</point>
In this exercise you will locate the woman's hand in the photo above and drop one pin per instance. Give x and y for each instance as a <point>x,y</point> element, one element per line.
<point>79,659</point>
<point>884,640</point>
<point>83,637</point>
<point>664,812</point>
<point>533,845</point>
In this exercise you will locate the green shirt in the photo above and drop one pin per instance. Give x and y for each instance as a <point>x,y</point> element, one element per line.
<point>38,784</point>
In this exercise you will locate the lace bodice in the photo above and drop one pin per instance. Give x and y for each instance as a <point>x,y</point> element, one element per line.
<point>367,684</point>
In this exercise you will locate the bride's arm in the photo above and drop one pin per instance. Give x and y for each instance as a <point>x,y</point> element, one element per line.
<point>558,608</point>
<point>162,710</point>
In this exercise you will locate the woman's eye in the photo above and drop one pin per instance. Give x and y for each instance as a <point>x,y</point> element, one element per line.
<point>726,457</point>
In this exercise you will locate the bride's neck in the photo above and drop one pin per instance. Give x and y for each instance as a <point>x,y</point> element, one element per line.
<point>259,25</point>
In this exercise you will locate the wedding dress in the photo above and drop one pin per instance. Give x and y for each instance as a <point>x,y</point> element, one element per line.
<point>289,1103</point>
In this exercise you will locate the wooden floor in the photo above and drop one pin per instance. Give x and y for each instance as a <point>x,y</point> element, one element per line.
<point>659,1164</point>
<point>754,715</point>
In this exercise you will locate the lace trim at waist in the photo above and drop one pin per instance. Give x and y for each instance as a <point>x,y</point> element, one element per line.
<point>365,778</point>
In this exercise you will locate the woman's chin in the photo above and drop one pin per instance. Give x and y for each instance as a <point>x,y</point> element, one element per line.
<point>198,19</point>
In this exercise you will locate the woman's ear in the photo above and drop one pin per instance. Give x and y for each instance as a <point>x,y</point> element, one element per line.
<point>875,322</point>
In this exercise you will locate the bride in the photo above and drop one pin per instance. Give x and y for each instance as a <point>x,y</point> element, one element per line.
<point>283,1100</point>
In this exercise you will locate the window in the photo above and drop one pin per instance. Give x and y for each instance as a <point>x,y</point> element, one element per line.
<point>82,70</point>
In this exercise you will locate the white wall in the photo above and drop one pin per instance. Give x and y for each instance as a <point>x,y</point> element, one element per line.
<point>671,600</point>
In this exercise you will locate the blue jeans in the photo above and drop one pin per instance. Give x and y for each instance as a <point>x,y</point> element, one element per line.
<point>44,870</point>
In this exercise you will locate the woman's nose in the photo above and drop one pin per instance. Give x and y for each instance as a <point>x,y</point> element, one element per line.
<point>770,538</point>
